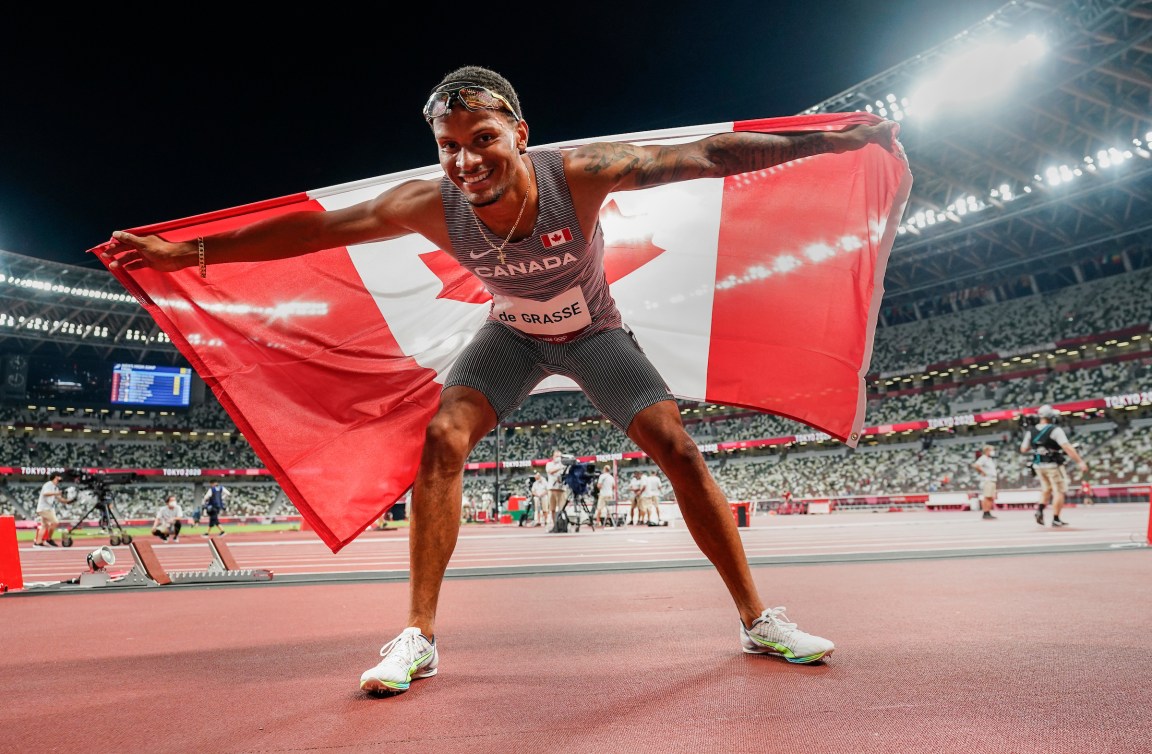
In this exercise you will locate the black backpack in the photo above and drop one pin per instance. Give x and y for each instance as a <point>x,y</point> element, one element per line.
<point>561,525</point>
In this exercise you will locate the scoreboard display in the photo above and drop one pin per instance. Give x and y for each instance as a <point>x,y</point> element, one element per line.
<point>151,385</point>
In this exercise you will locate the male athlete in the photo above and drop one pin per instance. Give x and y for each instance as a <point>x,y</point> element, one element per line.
<point>527,225</point>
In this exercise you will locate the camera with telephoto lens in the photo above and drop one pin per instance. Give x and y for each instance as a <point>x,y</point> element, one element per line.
<point>87,487</point>
<point>580,477</point>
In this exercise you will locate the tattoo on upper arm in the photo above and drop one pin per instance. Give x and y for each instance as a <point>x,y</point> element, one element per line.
<point>713,157</point>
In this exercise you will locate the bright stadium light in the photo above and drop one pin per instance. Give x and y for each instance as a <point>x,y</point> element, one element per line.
<point>979,76</point>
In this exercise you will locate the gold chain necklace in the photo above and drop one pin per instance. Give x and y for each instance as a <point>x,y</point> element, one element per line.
<point>500,249</point>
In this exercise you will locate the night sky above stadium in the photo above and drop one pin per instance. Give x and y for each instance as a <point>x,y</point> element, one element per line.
<point>166,125</point>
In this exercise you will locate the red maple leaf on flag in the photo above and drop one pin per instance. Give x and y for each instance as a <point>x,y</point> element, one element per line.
<point>622,257</point>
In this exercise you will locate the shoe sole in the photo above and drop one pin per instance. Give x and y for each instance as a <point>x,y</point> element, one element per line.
<point>380,688</point>
<point>778,650</point>
<point>388,688</point>
<point>792,659</point>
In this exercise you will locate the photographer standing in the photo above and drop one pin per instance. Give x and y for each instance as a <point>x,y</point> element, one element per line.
<point>46,511</point>
<point>169,520</point>
<point>214,503</point>
<point>1050,450</point>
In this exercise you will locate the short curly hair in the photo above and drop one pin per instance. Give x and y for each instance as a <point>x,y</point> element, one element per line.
<point>487,78</point>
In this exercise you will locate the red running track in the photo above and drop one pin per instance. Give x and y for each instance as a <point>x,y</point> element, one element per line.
<point>501,549</point>
<point>953,635</point>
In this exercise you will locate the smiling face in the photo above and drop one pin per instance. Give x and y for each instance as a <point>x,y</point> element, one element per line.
<point>480,152</point>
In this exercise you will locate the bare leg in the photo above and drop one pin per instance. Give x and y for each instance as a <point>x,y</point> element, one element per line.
<point>463,419</point>
<point>1057,503</point>
<point>660,433</point>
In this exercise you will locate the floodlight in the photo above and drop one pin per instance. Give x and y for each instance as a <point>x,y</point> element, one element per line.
<point>980,75</point>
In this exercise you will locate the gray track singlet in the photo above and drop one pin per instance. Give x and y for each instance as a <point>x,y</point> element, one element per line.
<point>552,285</point>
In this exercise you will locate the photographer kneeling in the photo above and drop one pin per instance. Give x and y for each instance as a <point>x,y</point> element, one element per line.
<point>169,520</point>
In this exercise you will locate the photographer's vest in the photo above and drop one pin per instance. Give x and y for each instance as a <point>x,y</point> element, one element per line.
<point>216,498</point>
<point>1046,451</point>
<point>551,285</point>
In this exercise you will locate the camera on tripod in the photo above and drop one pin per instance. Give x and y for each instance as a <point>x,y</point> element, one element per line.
<point>92,490</point>
<point>79,482</point>
<point>579,476</point>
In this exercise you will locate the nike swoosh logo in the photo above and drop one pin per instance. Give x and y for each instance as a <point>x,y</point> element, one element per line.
<point>481,255</point>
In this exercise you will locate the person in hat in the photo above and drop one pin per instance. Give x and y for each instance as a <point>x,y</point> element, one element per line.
<point>1050,450</point>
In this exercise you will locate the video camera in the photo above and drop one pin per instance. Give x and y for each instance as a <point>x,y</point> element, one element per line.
<point>1028,421</point>
<point>79,482</point>
<point>578,476</point>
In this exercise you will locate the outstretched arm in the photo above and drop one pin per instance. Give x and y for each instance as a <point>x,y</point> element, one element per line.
<point>621,166</point>
<point>399,211</point>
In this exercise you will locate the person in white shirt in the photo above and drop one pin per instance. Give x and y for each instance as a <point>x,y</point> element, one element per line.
<point>169,520</point>
<point>488,504</point>
<point>605,494</point>
<point>539,492</point>
<point>985,466</point>
<point>636,489</point>
<point>650,498</point>
<point>46,511</point>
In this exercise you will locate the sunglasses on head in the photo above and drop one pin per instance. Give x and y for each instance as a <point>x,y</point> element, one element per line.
<point>471,96</point>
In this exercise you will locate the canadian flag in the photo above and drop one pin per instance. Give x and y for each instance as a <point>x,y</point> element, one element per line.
<point>564,235</point>
<point>758,290</point>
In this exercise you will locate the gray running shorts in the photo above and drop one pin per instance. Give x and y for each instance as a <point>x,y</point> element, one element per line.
<point>609,366</point>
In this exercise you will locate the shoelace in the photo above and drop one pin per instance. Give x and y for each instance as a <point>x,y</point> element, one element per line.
<point>776,616</point>
<point>408,645</point>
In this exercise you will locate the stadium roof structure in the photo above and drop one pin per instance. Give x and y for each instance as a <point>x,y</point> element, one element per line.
<point>1056,173</point>
<point>51,308</point>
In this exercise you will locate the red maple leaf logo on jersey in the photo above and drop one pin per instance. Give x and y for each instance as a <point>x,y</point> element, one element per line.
<point>623,255</point>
